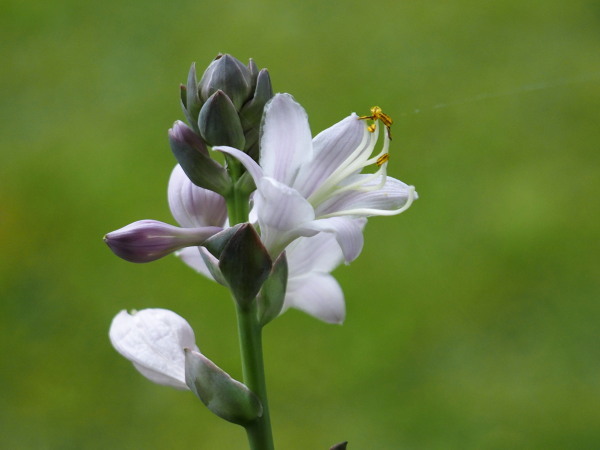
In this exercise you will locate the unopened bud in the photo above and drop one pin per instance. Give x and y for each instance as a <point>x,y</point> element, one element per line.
<point>229,75</point>
<point>219,122</point>
<point>192,155</point>
<point>148,240</point>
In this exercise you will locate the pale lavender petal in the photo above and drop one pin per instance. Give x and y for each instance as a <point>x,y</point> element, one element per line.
<point>193,206</point>
<point>153,340</point>
<point>390,197</point>
<point>320,253</point>
<point>331,148</point>
<point>317,294</point>
<point>348,232</point>
<point>191,256</point>
<point>285,142</point>
<point>280,210</point>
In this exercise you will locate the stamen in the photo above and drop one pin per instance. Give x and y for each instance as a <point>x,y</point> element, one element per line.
<point>382,159</point>
<point>378,114</point>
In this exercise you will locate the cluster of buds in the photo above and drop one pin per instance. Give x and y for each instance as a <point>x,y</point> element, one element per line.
<point>224,108</point>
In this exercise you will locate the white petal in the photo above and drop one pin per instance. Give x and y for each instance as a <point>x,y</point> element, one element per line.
<point>191,256</point>
<point>280,210</point>
<point>319,295</point>
<point>153,340</point>
<point>320,253</point>
<point>193,206</point>
<point>285,142</point>
<point>347,231</point>
<point>391,198</point>
<point>331,148</point>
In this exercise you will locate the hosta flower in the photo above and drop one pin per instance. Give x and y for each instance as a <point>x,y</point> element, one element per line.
<point>305,185</point>
<point>154,341</point>
<point>200,212</point>
<point>310,287</point>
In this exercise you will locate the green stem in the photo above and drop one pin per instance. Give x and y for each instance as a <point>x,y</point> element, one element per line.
<point>259,432</point>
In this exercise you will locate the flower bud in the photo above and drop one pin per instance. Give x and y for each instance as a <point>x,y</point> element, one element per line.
<point>251,113</point>
<point>246,89</point>
<point>149,240</point>
<point>219,123</point>
<point>229,75</point>
<point>192,155</point>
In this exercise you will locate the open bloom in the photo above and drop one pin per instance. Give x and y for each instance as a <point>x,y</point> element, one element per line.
<point>310,286</point>
<point>305,185</point>
<point>154,341</point>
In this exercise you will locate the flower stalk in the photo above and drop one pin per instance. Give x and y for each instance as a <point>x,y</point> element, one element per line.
<point>260,436</point>
<point>259,433</point>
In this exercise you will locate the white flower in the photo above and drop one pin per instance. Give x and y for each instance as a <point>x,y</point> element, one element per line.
<point>305,186</point>
<point>154,341</point>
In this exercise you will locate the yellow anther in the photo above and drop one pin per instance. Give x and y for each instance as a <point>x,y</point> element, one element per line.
<point>371,128</point>
<point>382,159</point>
<point>378,114</point>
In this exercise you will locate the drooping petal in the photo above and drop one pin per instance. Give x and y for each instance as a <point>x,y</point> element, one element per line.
<point>193,206</point>
<point>286,142</point>
<point>331,148</point>
<point>347,231</point>
<point>154,341</point>
<point>317,294</point>
<point>370,199</point>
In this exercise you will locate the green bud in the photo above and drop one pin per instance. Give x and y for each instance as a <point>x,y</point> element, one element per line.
<point>190,99</point>
<point>224,396</point>
<point>192,155</point>
<point>219,123</point>
<point>229,75</point>
<point>251,113</point>
<point>245,264</point>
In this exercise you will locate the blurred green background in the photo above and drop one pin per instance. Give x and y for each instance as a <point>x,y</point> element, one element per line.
<point>473,318</point>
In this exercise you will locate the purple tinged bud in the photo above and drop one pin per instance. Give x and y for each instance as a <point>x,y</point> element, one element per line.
<point>148,240</point>
<point>184,135</point>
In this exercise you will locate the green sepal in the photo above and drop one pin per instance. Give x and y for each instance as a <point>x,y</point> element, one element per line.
<point>212,264</point>
<point>219,123</point>
<point>252,112</point>
<point>271,296</point>
<point>245,264</point>
<point>253,69</point>
<point>192,102</point>
<point>183,95</point>
<point>216,243</point>
<point>227,398</point>
<point>192,155</point>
